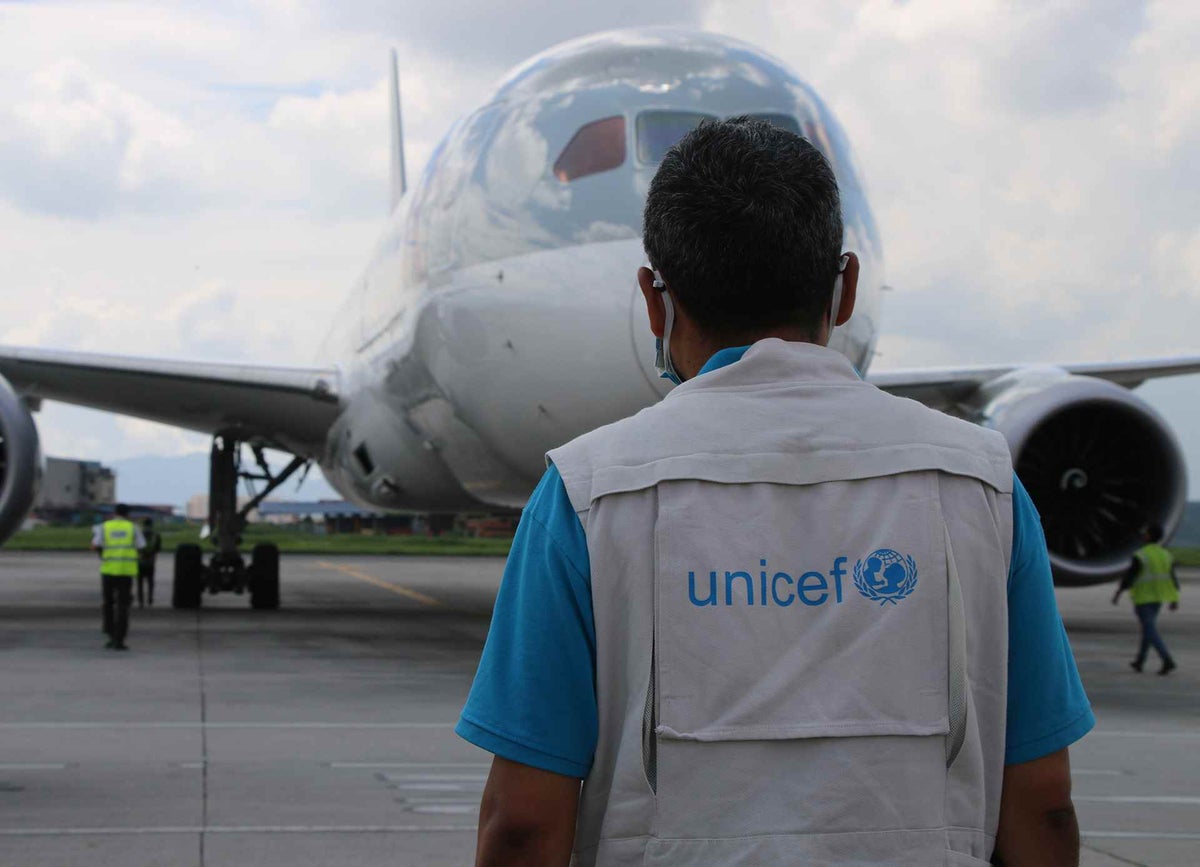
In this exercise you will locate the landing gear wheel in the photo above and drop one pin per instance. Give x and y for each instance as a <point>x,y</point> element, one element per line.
<point>264,577</point>
<point>188,587</point>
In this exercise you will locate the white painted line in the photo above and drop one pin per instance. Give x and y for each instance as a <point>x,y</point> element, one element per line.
<point>448,809</point>
<point>1095,772</point>
<point>436,787</point>
<point>235,829</point>
<point>1139,799</point>
<point>1142,835</point>
<point>386,765</point>
<point>1177,735</point>
<point>32,766</point>
<point>435,778</point>
<point>11,726</point>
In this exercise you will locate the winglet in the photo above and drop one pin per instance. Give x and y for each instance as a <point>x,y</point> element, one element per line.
<point>399,181</point>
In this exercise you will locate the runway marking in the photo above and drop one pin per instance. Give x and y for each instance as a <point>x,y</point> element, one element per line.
<point>385,765</point>
<point>398,589</point>
<point>1143,835</point>
<point>32,766</point>
<point>237,829</point>
<point>1187,736</point>
<point>1140,799</point>
<point>13,726</point>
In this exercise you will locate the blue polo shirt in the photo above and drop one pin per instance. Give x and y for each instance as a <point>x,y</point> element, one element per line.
<point>534,696</point>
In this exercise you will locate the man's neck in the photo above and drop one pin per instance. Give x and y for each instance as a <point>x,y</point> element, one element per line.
<point>695,349</point>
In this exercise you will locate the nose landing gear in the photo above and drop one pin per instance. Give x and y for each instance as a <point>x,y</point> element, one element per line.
<point>227,570</point>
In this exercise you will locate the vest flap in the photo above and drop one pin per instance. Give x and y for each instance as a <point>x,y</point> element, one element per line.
<point>801,611</point>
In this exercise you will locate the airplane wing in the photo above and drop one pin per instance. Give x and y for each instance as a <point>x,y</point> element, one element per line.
<point>288,408</point>
<point>944,388</point>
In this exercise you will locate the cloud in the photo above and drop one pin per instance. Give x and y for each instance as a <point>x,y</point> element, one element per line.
<point>499,35</point>
<point>207,181</point>
<point>74,144</point>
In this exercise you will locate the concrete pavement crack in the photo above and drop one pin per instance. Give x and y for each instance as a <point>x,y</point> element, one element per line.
<point>1111,855</point>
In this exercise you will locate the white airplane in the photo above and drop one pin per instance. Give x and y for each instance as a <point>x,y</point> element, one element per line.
<point>499,317</point>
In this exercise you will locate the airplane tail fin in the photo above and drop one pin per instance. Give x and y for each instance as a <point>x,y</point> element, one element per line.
<point>399,181</point>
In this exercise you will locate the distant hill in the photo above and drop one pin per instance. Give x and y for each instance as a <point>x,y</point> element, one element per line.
<point>155,479</point>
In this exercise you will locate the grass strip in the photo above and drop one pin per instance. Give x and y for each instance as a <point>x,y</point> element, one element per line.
<point>291,540</point>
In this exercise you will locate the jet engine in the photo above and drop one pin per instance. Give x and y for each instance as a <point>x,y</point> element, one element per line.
<point>1097,461</point>
<point>20,460</point>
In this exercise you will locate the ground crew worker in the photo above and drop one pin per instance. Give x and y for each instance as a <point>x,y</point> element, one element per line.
<point>770,618</point>
<point>146,558</point>
<point>1151,581</point>
<point>118,540</point>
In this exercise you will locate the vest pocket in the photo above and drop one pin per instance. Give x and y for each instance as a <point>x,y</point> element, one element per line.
<point>825,615</point>
<point>801,657</point>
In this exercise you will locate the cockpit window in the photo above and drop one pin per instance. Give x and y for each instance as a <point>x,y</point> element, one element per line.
<point>783,121</point>
<point>598,147</point>
<point>658,131</point>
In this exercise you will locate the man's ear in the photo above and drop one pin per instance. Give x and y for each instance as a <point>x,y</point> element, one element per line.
<point>849,290</point>
<point>655,309</point>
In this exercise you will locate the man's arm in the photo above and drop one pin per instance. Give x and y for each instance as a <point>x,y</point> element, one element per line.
<point>1127,579</point>
<point>527,817</point>
<point>1037,819</point>
<point>97,538</point>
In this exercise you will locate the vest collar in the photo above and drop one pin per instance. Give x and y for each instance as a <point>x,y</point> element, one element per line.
<point>772,361</point>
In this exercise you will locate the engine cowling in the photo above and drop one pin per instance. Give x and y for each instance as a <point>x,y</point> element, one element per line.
<point>20,461</point>
<point>1098,462</point>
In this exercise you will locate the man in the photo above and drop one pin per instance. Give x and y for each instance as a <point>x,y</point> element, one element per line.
<point>691,618</point>
<point>118,541</point>
<point>1151,581</point>
<point>146,558</point>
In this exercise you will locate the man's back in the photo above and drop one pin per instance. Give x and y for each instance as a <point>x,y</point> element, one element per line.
<point>781,545</point>
<point>766,619</point>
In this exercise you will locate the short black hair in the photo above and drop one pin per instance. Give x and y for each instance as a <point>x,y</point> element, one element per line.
<point>1154,532</point>
<point>743,221</point>
<point>122,510</point>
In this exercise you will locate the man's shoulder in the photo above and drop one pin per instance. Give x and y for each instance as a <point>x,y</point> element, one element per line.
<point>924,423</point>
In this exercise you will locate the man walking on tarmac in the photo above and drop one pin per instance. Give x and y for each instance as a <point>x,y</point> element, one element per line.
<point>780,617</point>
<point>1151,581</point>
<point>146,562</point>
<point>118,540</point>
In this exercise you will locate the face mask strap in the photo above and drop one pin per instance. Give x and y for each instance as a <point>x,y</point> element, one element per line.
<point>836,304</point>
<point>662,358</point>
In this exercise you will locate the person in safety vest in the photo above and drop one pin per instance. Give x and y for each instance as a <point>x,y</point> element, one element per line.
<point>146,560</point>
<point>1151,581</point>
<point>118,540</point>
<point>781,617</point>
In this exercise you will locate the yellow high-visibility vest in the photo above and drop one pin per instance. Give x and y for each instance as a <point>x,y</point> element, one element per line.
<point>1153,583</point>
<point>119,555</point>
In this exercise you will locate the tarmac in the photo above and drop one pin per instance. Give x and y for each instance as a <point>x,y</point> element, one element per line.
<point>322,733</point>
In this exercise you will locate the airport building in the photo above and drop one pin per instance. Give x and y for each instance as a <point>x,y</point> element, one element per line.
<point>196,508</point>
<point>71,486</point>
<point>339,516</point>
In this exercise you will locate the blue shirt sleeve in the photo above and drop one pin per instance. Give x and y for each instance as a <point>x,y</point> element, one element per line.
<point>1047,707</point>
<point>534,697</point>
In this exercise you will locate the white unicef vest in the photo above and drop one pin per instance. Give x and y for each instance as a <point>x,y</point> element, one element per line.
<point>799,586</point>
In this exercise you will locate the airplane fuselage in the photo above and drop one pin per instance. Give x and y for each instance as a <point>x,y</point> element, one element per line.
<point>499,315</point>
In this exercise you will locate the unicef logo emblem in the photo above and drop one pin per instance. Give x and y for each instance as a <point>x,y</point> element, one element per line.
<point>885,576</point>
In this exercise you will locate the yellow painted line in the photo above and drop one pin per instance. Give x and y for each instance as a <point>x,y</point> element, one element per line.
<point>379,582</point>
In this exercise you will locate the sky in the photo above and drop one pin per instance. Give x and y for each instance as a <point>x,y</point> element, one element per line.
<point>206,180</point>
